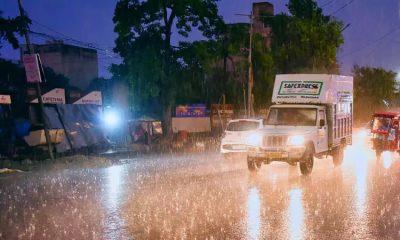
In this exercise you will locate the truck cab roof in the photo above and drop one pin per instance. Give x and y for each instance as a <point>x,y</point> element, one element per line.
<point>279,105</point>
<point>387,114</point>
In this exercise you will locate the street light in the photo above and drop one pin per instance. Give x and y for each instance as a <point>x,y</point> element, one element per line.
<point>111,118</point>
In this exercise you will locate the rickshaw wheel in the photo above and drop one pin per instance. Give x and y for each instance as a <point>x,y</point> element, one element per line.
<point>378,154</point>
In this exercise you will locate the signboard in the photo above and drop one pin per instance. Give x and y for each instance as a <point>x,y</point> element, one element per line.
<point>55,96</point>
<point>93,98</point>
<point>312,88</point>
<point>221,114</point>
<point>345,96</point>
<point>5,99</point>
<point>31,64</point>
<point>193,110</point>
<point>300,88</point>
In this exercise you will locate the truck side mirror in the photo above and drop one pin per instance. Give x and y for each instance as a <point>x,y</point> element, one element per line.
<point>322,122</point>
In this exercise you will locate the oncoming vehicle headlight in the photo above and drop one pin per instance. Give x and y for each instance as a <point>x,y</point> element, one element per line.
<point>111,118</point>
<point>254,139</point>
<point>296,140</point>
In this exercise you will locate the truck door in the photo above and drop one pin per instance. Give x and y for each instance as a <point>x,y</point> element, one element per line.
<point>322,144</point>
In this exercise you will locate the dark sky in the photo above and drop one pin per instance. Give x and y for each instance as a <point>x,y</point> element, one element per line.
<point>372,39</point>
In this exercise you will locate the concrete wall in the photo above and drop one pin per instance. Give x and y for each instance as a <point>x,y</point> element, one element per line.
<point>191,125</point>
<point>78,64</point>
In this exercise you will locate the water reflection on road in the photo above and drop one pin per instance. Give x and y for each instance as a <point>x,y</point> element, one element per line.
<point>253,214</point>
<point>205,197</point>
<point>295,214</point>
<point>114,223</point>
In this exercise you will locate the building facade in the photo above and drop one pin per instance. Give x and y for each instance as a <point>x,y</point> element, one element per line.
<point>262,10</point>
<point>78,64</point>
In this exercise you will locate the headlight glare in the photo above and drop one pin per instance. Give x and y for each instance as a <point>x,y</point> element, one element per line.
<point>296,140</point>
<point>111,118</point>
<point>254,139</point>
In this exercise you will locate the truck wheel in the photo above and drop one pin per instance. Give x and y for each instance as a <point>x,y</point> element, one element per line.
<point>227,156</point>
<point>307,162</point>
<point>337,156</point>
<point>253,164</point>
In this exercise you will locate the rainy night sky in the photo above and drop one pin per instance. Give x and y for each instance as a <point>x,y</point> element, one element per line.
<point>372,39</point>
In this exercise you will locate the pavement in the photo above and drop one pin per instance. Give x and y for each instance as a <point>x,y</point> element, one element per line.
<point>203,196</point>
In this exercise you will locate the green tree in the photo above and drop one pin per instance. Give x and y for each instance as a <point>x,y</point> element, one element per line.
<point>144,31</point>
<point>372,88</point>
<point>306,41</point>
<point>220,67</point>
<point>9,27</point>
<point>264,73</point>
<point>105,86</point>
<point>217,67</point>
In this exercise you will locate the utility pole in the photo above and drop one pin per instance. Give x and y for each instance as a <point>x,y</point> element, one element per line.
<point>38,89</point>
<point>250,83</point>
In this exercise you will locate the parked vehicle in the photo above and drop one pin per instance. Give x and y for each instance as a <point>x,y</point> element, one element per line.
<point>236,134</point>
<point>311,117</point>
<point>385,132</point>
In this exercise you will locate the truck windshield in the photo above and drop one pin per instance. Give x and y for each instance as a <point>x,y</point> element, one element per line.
<point>242,126</point>
<point>292,116</point>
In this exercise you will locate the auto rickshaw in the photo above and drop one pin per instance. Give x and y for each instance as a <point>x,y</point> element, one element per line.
<point>385,132</point>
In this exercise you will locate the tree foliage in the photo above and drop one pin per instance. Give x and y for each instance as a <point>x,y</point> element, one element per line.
<point>160,75</point>
<point>306,41</point>
<point>217,67</point>
<point>10,27</point>
<point>151,64</point>
<point>372,88</point>
<point>264,73</point>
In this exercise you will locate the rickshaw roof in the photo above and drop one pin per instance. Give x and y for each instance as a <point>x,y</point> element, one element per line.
<point>387,114</point>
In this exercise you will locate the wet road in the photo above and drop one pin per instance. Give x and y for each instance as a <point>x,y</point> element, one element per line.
<point>201,196</point>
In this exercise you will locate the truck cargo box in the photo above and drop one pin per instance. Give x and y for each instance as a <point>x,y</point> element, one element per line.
<point>312,88</point>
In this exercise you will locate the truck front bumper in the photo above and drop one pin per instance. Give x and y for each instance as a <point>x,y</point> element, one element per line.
<point>287,154</point>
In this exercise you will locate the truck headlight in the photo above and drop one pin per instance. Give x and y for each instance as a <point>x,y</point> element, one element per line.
<point>296,140</point>
<point>254,139</point>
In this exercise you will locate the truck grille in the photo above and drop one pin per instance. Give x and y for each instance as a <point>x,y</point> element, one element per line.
<point>275,141</point>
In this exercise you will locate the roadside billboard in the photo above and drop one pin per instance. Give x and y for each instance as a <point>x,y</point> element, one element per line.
<point>55,96</point>
<point>221,114</point>
<point>93,98</point>
<point>191,111</point>
<point>32,68</point>
<point>5,99</point>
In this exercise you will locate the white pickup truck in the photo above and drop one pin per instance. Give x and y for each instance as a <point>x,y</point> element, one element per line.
<point>311,117</point>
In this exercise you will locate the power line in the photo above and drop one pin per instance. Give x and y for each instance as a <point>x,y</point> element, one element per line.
<point>374,49</point>
<point>67,37</point>
<point>343,7</point>
<point>50,29</point>
<point>100,51</point>
<point>374,42</point>
<point>75,41</point>
<point>327,3</point>
<point>42,35</point>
